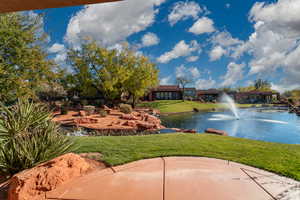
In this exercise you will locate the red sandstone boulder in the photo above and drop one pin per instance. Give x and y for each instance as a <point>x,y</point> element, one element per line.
<point>216,132</point>
<point>145,126</point>
<point>85,121</point>
<point>33,184</point>
<point>189,131</point>
<point>152,119</point>
<point>131,124</point>
<point>82,113</point>
<point>129,117</point>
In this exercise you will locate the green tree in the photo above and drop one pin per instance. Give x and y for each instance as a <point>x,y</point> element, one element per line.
<point>111,73</point>
<point>143,75</point>
<point>23,62</point>
<point>261,84</point>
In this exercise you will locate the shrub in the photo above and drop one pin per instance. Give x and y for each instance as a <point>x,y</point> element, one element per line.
<point>125,108</point>
<point>102,113</point>
<point>84,102</point>
<point>89,110</point>
<point>28,137</point>
<point>64,110</point>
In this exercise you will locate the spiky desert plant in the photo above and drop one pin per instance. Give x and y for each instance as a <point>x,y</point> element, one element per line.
<point>28,137</point>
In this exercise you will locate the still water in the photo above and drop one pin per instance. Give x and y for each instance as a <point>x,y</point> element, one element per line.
<point>257,124</point>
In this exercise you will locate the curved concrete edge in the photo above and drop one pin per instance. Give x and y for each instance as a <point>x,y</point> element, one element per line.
<point>173,178</point>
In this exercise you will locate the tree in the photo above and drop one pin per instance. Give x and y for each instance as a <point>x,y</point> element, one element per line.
<point>23,62</point>
<point>143,75</point>
<point>183,81</point>
<point>111,73</point>
<point>260,84</point>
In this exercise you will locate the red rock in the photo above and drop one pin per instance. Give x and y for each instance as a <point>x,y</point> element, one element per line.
<point>129,117</point>
<point>85,121</point>
<point>216,132</point>
<point>82,113</point>
<point>145,125</point>
<point>131,124</point>
<point>189,131</point>
<point>33,184</point>
<point>152,119</point>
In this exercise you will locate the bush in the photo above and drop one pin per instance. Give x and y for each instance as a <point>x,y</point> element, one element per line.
<point>84,102</point>
<point>89,109</point>
<point>102,113</point>
<point>28,137</point>
<point>125,108</point>
<point>64,110</point>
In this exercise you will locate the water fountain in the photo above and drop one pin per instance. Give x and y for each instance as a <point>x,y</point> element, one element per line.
<point>229,103</point>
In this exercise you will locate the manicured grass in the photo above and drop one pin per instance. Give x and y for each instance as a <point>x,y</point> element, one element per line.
<point>282,159</point>
<point>176,106</point>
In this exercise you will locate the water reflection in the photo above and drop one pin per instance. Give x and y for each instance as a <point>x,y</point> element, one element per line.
<point>255,124</point>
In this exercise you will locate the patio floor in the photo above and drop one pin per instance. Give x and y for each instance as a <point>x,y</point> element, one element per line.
<point>179,178</point>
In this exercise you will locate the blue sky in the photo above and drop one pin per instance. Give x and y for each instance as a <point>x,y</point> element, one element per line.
<point>220,43</point>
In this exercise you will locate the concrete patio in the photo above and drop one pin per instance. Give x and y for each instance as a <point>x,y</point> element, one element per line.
<point>179,178</point>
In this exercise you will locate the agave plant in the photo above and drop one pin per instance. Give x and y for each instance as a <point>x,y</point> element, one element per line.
<point>28,137</point>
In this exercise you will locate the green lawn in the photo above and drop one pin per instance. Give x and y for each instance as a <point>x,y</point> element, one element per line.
<point>176,106</point>
<point>282,159</point>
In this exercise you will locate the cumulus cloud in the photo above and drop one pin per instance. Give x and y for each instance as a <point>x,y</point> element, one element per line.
<point>184,10</point>
<point>202,25</point>
<point>55,48</point>
<point>274,45</point>
<point>166,80</point>
<point>233,75</point>
<point>224,39</point>
<point>227,5</point>
<point>181,49</point>
<point>216,53</point>
<point>150,39</point>
<point>223,44</point>
<point>202,84</point>
<point>183,71</point>
<point>111,23</point>
<point>192,58</point>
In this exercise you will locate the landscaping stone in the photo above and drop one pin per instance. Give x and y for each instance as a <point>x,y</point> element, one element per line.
<point>85,121</point>
<point>33,184</point>
<point>129,117</point>
<point>216,132</point>
<point>82,113</point>
<point>189,131</point>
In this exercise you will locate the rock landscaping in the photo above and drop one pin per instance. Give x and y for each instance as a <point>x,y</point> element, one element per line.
<point>138,120</point>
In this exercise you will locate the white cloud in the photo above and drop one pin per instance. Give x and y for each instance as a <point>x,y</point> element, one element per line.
<point>192,58</point>
<point>216,53</point>
<point>224,44</point>
<point>227,5</point>
<point>166,80</point>
<point>184,10</point>
<point>181,49</point>
<point>191,72</point>
<point>202,84</point>
<point>233,75</point>
<point>224,39</point>
<point>111,23</point>
<point>55,48</point>
<point>150,39</point>
<point>202,25</point>
<point>274,45</point>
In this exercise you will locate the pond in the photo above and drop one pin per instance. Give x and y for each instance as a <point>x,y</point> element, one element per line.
<point>269,125</point>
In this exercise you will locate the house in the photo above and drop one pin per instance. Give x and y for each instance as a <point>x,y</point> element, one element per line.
<point>174,92</point>
<point>257,97</point>
<point>190,93</point>
<point>211,95</point>
<point>165,92</point>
